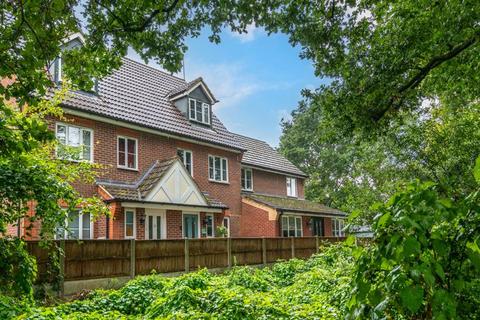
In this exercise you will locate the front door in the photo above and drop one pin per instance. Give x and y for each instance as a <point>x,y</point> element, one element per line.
<point>190,225</point>
<point>154,225</point>
<point>317,227</point>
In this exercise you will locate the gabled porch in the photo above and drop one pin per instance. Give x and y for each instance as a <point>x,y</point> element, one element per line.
<point>165,203</point>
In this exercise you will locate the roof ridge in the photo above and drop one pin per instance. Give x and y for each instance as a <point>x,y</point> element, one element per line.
<point>151,67</point>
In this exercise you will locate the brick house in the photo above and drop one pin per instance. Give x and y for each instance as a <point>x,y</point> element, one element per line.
<point>171,169</point>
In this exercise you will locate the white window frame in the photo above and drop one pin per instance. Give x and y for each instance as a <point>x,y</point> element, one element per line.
<point>221,169</point>
<point>202,106</point>
<point>66,232</point>
<point>213,226</point>
<point>291,183</point>
<point>57,77</point>
<point>184,159</point>
<point>288,217</point>
<point>338,227</point>
<point>126,153</point>
<point>66,125</point>
<point>243,171</point>
<point>134,223</point>
<point>228,225</point>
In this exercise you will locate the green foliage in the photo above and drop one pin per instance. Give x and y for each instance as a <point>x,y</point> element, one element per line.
<point>316,289</point>
<point>426,259</point>
<point>437,144</point>
<point>19,269</point>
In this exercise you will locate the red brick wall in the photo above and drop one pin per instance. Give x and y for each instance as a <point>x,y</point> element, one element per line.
<point>255,223</point>
<point>274,184</point>
<point>154,147</point>
<point>328,226</point>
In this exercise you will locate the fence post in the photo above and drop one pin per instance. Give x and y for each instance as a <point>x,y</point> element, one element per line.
<point>264,251</point>
<point>61,258</point>
<point>229,252</point>
<point>293,247</point>
<point>132,258</point>
<point>187,256</point>
<point>317,244</point>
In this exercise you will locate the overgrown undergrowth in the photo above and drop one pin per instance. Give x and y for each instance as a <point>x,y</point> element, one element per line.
<point>314,289</point>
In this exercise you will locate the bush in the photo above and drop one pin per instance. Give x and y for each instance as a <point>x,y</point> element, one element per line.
<point>19,268</point>
<point>312,289</point>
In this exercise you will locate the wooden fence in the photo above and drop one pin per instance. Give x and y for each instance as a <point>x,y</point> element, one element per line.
<point>93,259</point>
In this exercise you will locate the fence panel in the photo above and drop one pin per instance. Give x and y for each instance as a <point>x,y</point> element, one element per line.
<point>90,259</point>
<point>208,253</point>
<point>43,261</point>
<point>279,248</point>
<point>246,251</point>
<point>305,247</point>
<point>159,255</point>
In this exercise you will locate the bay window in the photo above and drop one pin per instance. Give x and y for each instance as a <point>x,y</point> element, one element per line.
<point>217,169</point>
<point>127,153</point>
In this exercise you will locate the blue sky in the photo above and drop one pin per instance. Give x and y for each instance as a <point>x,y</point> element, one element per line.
<point>257,78</point>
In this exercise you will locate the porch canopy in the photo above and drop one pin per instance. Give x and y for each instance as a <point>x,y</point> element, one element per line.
<point>165,185</point>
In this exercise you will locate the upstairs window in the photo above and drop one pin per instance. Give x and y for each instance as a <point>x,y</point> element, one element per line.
<point>198,111</point>
<point>76,143</point>
<point>291,187</point>
<point>338,226</point>
<point>57,70</point>
<point>247,180</point>
<point>217,169</point>
<point>127,153</point>
<point>186,157</point>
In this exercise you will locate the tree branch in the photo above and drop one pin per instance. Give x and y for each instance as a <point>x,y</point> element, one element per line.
<point>395,100</point>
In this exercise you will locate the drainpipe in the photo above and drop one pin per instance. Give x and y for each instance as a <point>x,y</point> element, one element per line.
<point>280,212</point>
<point>107,228</point>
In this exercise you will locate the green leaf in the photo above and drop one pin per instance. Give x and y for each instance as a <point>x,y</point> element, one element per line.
<point>476,170</point>
<point>412,298</point>
<point>439,271</point>
<point>411,246</point>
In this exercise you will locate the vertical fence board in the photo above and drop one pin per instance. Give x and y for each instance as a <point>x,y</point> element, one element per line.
<point>90,259</point>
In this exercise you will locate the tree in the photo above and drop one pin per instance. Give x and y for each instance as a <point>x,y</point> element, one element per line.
<point>425,261</point>
<point>437,143</point>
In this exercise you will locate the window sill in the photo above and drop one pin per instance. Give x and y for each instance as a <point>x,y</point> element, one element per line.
<point>74,160</point>
<point>248,190</point>
<point>127,168</point>
<point>221,182</point>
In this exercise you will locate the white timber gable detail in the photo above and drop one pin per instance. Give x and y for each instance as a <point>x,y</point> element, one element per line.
<point>177,186</point>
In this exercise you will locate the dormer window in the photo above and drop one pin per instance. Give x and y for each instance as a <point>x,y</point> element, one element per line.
<point>199,111</point>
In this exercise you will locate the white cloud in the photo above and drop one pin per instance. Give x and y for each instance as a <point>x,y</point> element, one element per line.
<point>252,33</point>
<point>229,82</point>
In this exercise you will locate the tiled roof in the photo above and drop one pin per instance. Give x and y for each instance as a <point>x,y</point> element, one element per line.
<point>138,94</point>
<point>294,204</point>
<point>260,154</point>
<point>139,190</point>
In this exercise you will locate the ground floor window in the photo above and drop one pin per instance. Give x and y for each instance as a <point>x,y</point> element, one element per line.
<point>317,226</point>
<point>226,225</point>
<point>209,226</point>
<point>77,226</point>
<point>190,225</point>
<point>291,226</point>
<point>338,227</point>
<point>129,223</point>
